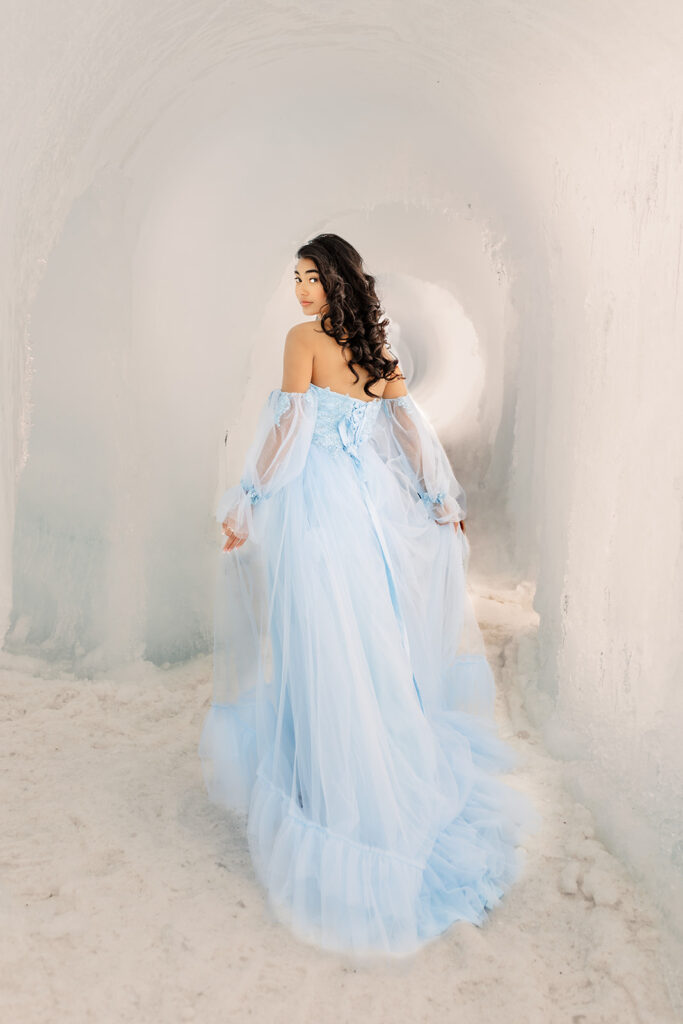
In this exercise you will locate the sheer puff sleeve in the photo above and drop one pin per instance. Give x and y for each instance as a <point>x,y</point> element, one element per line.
<point>411,446</point>
<point>276,456</point>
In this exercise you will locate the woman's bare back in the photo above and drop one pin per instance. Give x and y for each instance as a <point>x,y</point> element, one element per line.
<point>331,369</point>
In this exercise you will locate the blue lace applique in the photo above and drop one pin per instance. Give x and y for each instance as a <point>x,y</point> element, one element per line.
<point>251,492</point>
<point>343,422</point>
<point>431,500</point>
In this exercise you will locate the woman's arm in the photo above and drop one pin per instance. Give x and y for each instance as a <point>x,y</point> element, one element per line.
<point>416,450</point>
<point>297,358</point>
<point>278,451</point>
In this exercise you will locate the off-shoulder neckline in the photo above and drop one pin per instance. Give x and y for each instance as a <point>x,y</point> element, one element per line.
<point>363,401</point>
<point>351,398</point>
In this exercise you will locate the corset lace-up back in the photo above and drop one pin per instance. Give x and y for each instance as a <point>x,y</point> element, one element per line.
<point>343,420</point>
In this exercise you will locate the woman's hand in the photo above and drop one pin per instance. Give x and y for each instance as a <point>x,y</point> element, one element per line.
<point>233,540</point>
<point>454,523</point>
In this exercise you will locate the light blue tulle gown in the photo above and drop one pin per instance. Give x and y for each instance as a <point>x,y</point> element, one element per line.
<point>352,711</point>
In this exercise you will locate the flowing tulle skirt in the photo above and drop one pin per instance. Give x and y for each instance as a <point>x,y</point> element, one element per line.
<point>352,716</point>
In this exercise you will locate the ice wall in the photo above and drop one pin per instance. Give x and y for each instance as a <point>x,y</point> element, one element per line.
<point>599,450</point>
<point>510,173</point>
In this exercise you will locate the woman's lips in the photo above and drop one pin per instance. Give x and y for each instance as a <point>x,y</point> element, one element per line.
<point>305,303</point>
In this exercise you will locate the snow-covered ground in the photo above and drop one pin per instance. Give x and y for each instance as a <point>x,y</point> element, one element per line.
<point>127,896</point>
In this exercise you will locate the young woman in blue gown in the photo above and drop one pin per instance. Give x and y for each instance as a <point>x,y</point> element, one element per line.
<point>352,717</point>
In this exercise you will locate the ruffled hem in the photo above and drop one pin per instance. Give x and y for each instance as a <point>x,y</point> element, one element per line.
<point>346,896</point>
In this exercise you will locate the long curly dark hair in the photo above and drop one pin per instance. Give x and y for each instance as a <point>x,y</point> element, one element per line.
<point>353,308</point>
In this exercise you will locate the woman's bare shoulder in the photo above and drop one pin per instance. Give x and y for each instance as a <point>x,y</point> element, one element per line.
<point>309,327</point>
<point>300,337</point>
<point>397,387</point>
<point>305,329</point>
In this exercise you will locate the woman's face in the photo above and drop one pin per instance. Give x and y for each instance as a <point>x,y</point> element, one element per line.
<point>309,291</point>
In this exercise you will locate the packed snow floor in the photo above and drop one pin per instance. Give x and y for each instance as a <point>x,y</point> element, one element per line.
<point>126,896</point>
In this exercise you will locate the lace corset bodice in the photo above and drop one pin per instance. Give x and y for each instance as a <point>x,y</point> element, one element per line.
<point>292,422</point>
<point>343,422</point>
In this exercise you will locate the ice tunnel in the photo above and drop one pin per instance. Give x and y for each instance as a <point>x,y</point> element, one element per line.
<point>511,173</point>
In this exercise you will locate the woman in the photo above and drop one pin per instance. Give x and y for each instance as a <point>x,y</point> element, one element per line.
<point>352,714</point>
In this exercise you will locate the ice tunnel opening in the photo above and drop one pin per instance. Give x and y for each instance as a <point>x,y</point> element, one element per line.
<point>439,351</point>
